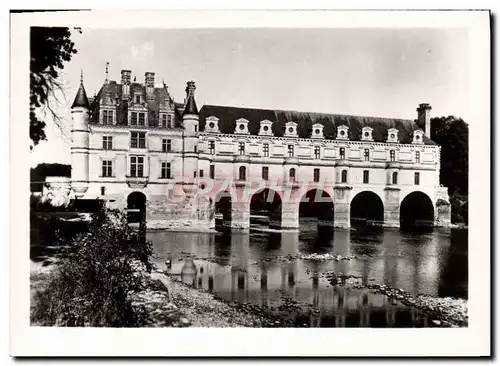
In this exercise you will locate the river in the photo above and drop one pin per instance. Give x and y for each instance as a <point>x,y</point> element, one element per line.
<point>253,268</point>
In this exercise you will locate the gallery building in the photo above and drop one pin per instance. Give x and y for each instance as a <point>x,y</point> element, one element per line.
<point>180,167</point>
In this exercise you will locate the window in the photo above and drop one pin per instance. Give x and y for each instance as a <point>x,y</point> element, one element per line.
<point>265,149</point>
<point>169,121</point>
<point>344,176</point>
<point>212,171</point>
<point>342,153</point>
<point>291,174</point>
<point>317,152</point>
<point>366,176</point>
<point>417,157</point>
<point>166,170</point>
<point>395,178</point>
<point>107,168</point>
<point>138,98</point>
<point>392,155</point>
<point>242,173</point>
<point>138,140</point>
<point>103,191</point>
<point>142,118</point>
<point>195,148</point>
<point>367,154</point>
<point>107,117</point>
<point>417,178</point>
<point>316,175</point>
<point>133,118</point>
<point>265,173</point>
<point>211,147</point>
<point>166,145</point>
<point>107,142</point>
<point>201,173</point>
<point>137,166</point>
<point>290,151</point>
<point>195,128</point>
<point>194,174</point>
<point>242,148</point>
<point>164,120</point>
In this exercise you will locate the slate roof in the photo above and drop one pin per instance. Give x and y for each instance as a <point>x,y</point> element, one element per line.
<point>228,116</point>
<point>81,99</point>
<point>113,90</point>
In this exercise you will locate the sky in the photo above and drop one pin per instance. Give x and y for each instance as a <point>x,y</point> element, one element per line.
<point>366,72</point>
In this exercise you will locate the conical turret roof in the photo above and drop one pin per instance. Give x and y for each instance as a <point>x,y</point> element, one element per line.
<point>190,103</point>
<point>81,99</point>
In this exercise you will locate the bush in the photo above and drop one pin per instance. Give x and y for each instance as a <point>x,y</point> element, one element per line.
<point>92,284</point>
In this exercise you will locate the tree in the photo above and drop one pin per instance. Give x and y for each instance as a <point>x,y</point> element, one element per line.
<point>50,48</point>
<point>452,134</point>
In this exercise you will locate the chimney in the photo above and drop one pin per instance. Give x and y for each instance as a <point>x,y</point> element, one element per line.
<point>424,118</point>
<point>150,83</point>
<point>126,84</point>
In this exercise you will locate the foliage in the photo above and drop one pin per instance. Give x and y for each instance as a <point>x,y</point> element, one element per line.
<point>44,170</point>
<point>50,48</point>
<point>459,208</point>
<point>94,280</point>
<point>452,134</point>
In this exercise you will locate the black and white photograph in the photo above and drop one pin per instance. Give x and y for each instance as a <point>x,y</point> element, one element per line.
<point>262,177</point>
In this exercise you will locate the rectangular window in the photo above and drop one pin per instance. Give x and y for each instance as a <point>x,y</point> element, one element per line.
<point>316,175</point>
<point>133,118</point>
<point>138,140</point>
<point>241,148</point>
<point>169,121</point>
<point>142,118</point>
<point>166,145</point>
<point>417,157</point>
<point>164,120</point>
<point>138,98</point>
<point>265,149</point>
<point>265,173</point>
<point>290,151</point>
<point>195,148</point>
<point>392,155</point>
<point>166,170</point>
<point>317,152</point>
<point>194,174</point>
<point>366,176</point>
<point>107,142</point>
<point>342,153</point>
<point>201,173</point>
<point>367,154</point>
<point>195,128</point>
<point>211,147</point>
<point>107,117</point>
<point>137,166</point>
<point>107,168</point>
<point>417,178</point>
<point>212,171</point>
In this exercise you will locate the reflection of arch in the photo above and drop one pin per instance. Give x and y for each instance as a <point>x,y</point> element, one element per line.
<point>319,204</point>
<point>265,207</point>
<point>367,209</point>
<point>416,210</point>
<point>136,207</point>
<point>223,205</point>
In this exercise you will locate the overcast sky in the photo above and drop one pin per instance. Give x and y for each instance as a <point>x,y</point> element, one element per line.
<point>368,72</point>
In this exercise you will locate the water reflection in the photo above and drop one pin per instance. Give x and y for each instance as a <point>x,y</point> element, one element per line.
<point>249,268</point>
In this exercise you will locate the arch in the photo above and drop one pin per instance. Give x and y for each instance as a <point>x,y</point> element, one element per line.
<point>344,176</point>
<point>317,204</point>
<point>367,209</point>
<point>242,173</point>
<point>223,207</point>
<point>416,210</point>
<point>265,208</point>
<point>136,207</point>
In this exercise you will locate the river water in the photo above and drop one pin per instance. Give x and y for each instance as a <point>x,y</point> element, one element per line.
<point>256,268</point>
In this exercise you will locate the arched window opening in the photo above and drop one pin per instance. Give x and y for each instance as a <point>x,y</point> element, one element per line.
<point>344,176</point>
<point>242,173</point>
<point>292,174</point>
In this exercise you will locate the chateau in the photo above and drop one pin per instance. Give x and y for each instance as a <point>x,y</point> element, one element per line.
<point>183,168</point>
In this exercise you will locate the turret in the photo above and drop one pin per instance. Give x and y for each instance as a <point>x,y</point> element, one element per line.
<point>80,142</point>
<point>190,121</point>
<point>424,118</point>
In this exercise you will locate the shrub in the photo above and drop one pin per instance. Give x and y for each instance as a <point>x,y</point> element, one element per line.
<point>92,284</point>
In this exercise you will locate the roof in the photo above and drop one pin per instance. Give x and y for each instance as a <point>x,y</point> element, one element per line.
<point>81,99</point>
<point>112,91</point>
<point>228,115</point>
<point>190,106</point>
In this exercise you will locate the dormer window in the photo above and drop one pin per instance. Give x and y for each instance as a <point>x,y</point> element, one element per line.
<point>366,134</point>
<point>291,129</point>
<point>137,99</point>
<point>212,124</point>
<point>137,119</point>
<point>317,131</point>
<point>241,126</point>
<point>392,135</point>
<point>418,137</point>
<point>343,132</point>
<point>166,120</point>
<point>265,128</point>
<point>107,117</point>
